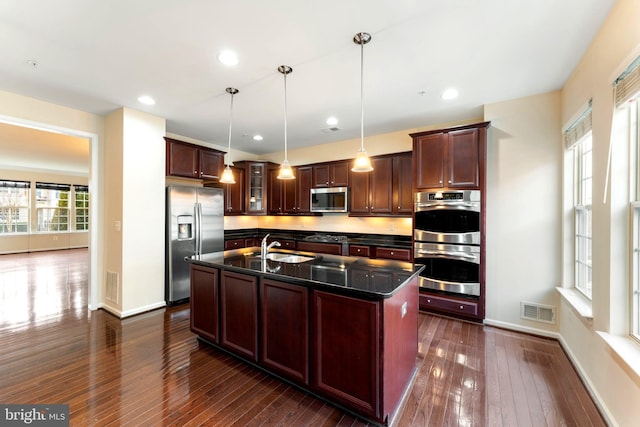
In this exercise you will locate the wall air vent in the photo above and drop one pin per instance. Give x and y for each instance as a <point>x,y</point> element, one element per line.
<point>112,287</point>
<point>330,130</point>
<point>538,312</point>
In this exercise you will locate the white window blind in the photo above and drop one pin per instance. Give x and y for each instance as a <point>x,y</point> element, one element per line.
<point>578,129</point>
<point>627,86</point>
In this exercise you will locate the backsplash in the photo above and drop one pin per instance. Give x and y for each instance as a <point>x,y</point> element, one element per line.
<point>330,223</point>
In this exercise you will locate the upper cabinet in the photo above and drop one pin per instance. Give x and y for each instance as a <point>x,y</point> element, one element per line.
<point>385,191</point>
<point>291,196</point>
<point>193,161</point>
<point>256,188</point>
<point>450,158</point>
<point>334,174</point>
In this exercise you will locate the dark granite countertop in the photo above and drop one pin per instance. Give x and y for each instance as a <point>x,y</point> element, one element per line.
<point>391,241</point>
<point>361,277</point>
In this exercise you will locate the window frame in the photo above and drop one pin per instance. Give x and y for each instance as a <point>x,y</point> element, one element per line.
<point>582,218</point>
<point>21,185</point>
<point>62,211</point>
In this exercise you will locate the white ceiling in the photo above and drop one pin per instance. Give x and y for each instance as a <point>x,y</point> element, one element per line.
<point>97,55</point>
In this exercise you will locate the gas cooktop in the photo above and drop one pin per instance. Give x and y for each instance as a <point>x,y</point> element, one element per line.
<point>325,238</point>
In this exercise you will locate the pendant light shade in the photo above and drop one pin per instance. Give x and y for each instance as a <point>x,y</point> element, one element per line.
<point>285,168</point>
<point>362,162</point>
<point>227,175</point>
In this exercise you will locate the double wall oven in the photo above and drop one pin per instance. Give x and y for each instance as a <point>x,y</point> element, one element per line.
<point>447,240</point>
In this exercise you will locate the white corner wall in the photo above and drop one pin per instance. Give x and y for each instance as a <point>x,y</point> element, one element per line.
<point>143,212</point>
<point>524,166</point>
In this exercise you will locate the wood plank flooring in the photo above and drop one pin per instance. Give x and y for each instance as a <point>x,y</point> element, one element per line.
<point>151,370</point>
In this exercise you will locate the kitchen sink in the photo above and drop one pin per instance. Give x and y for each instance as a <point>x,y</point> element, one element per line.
<point>288,258</point>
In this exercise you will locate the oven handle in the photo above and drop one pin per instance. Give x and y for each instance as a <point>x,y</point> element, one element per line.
<point>445,253</point>
<point>473,206</point>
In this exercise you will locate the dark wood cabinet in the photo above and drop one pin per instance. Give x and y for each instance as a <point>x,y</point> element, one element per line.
<point>333,174</point>
<point>359,193</point>
<point>450,158</point>
<point>346,364</point>
<point>290,196</point>
<point>275,194</point>
<point>457,306</point>
<point>322,248</point>
<point>239,314</point>
<point>381,185</point>
<point>359,250</point>
<point>403,184</point>
<point>255,187</point>
<point>192,161</point>
<point>234,194</point>
<point>204,302</point>
<point>285,329</point>
<point>372,193</point>
<point>393,253</point>
<point>299,334</point>
<point>304,180</point>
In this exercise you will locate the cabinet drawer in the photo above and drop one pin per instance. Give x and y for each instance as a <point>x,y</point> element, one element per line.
<point>234,244</point>
<point>392,253</point>
<point>288,244</point>
<point>358,250</point>
<point>323,248</point>
<point>467,308</point>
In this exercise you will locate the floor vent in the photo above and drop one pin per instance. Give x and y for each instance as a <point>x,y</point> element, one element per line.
<point>538,312</point>
<point>113,285</point>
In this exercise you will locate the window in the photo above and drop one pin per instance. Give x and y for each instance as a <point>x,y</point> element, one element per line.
<point>627,100</point>
<point>81,207</point>
<point>582,205</point>
<point>14,206</point>
<point>52,206</point>
<point>578,140</point>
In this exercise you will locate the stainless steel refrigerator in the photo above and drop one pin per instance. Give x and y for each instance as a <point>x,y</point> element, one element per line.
<point>194,225</point>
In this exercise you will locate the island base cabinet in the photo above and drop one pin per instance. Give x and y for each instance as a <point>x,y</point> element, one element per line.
<point>346,351</point>
<point>204,302</point>
<point>285,329</point>
<point>239,314</point>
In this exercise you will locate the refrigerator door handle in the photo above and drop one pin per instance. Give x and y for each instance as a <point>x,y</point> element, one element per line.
<point>199,228</point>
<point>196,221</point>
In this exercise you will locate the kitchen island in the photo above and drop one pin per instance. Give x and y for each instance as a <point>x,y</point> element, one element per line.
<point>342,328</point>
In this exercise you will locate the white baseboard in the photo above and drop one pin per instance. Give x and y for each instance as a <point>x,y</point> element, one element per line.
<point>521,328</point>
<point>133,312</point>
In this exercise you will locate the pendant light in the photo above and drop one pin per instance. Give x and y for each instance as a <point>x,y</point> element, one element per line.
<point>362,162</point>
<point>227,175</point>
<point>285,168</point>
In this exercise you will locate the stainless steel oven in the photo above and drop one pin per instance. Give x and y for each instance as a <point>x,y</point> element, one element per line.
<point>447,240</point>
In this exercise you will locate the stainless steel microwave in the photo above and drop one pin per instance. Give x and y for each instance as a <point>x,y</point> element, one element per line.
<point>333,199</point>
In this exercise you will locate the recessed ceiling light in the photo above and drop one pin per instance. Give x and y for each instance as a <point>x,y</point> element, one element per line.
<point>332,121</point>
<point>450,93</point>
<point>257,137</point>
<point>146,100</point>
<point>228,57</point>
<point>33,63</point>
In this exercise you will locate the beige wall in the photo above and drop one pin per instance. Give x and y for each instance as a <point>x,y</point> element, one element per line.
<point>524,166</point>
<point>615,46</point>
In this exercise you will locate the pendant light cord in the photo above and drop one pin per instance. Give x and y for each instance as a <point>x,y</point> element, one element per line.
<point>362,95</point>
<point>285,116</point>
<point>230,122</point>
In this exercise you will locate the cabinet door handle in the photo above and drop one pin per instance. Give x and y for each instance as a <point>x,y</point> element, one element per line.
<point>428,301</point>
<point>462,307</point>
<point>391,253</point>
<point>440,182</point>
<point>449,181</point>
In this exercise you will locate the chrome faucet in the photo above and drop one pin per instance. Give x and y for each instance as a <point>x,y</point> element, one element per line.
<point>264,249</point>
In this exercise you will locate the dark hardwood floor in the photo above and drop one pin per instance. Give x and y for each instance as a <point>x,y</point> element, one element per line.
<point>151,370</point>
